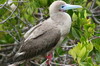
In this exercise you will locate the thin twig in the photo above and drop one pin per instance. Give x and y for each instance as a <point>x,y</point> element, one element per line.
<point>18,16</point>
<point>13,36</point>
<point>95,37</point>
<point>95,8</point>
<point>19,1</point>
<point>4,4</point>
<point>15,47</point>
<point>41,14</point>
<point>62,64</point>
<point>68,46</point>
<point>6,45</point>
<point>44,63</point>
<point>95,20</point>
<point>94,11</point>
<point>97,32</point>
<point>8,17</point>
<point>15,30</point>
<point>7,49</point>
<point>34,63</point>
<point>93,3</point>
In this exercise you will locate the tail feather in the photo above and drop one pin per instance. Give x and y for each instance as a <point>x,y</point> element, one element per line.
<point>18,57</point>
<point>12,65</point>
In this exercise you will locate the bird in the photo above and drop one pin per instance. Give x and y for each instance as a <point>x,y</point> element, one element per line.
<point>47,35</point>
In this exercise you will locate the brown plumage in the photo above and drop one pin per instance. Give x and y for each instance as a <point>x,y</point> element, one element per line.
<point>39,45</point>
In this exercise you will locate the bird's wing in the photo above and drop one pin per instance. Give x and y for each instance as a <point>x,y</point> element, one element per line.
<point>31,30</point>
<point>38,30</point>
<point>39,45</point>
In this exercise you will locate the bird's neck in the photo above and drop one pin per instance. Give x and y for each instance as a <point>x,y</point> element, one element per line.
<point>60,17</point>
<point>62,21</point>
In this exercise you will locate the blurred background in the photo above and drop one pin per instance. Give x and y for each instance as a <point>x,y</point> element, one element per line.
<point>81,46</point>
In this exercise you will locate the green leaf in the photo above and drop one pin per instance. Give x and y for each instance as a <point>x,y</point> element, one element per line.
<point>75,34</point>
<point>72,53</point>
<point>43,2</point>
<point>98,2</point>
<point>59,51</point>
<point>2,1</point>
<point>85,14</point>
<point>77,48</point>
<point>97,57</point>
<point>2,12</point>
<point>89,59</point>
<point>75,51</point>
<point>97,47</point>
<point>89,47</point>
<point>82,52</point>
<point>74,17</point>
<point>79,60</point>
<point>3,41</point>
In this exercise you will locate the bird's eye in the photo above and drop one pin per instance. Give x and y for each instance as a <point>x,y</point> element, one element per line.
<point>62,6</point>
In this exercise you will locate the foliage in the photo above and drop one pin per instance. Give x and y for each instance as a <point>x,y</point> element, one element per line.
<point>80,53</point>
<point>17,16</point>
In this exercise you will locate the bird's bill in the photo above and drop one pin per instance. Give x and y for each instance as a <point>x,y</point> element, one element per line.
<point>68,7</point>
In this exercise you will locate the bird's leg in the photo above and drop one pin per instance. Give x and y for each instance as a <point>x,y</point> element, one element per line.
<point>49,57</point>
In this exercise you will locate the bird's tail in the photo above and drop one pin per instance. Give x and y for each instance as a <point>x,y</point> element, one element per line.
<point>12,65</point>
<point>17,58</point>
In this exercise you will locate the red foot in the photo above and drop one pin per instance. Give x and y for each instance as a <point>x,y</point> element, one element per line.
<point>49,57</point>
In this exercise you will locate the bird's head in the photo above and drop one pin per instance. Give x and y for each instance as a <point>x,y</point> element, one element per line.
<point>61,6</point>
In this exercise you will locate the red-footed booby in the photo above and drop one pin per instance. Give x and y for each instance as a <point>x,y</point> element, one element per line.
<point>45,36</point>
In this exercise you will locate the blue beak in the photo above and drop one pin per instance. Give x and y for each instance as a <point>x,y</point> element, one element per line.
<point>68,7</point>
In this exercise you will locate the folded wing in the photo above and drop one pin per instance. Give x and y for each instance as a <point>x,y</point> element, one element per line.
<point>43,40</point>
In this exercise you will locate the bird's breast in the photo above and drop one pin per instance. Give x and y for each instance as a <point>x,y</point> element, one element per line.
<point>63,21</point>
<point>65,27</point>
